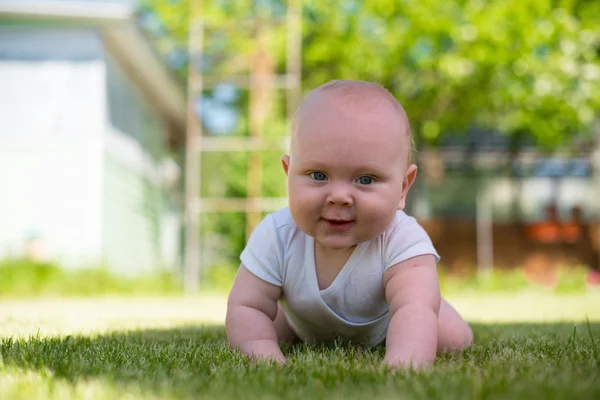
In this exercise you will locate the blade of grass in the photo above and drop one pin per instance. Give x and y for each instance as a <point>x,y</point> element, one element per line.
<point>594,348</point>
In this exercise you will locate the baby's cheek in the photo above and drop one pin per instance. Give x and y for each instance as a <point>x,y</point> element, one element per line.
<point>382,217</point>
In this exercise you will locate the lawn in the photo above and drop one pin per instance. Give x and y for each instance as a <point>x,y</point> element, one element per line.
<point>174,348</point>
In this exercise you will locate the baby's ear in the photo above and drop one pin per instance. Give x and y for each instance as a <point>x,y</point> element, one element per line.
<point>285,162</point>
<point>409,179</point>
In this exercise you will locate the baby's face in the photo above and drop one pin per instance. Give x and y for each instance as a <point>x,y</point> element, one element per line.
<point>347,174</point>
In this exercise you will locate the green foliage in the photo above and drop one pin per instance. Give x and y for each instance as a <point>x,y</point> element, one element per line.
<point>550,361</point>
<point>219,278</point>
<point>516,65</point>
<point>572,280</point>
<point>528,68</point>
<point>223,239</point>
<point>21,278</point>
<point>498,281</point>
<point>569,280</point>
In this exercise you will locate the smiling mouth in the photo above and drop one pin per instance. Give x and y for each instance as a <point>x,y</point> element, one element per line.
<point>338,225</point>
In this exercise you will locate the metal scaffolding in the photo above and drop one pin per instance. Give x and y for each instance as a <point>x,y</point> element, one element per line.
<point>261,79</point>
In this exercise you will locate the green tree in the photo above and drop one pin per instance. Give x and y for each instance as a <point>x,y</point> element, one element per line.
<point>516,65</point>
<point>529,68</point>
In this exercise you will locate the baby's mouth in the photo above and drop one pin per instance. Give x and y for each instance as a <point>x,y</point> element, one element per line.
<point>338,224</point>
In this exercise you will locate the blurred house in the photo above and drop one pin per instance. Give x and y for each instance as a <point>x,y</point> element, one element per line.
<point>90,125</point>
<point>485,205</point>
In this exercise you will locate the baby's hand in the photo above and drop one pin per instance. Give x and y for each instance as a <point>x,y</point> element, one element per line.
<point>405,365</point>
<point>413,293</point>
<point>251,310</point>
<point>263,350</point>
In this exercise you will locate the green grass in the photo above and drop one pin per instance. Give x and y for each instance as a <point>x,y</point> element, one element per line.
<point>161,348</point>
<point>22,278</point>
<point>568,280</point>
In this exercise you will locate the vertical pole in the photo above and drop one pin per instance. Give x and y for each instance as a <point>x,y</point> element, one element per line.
<point>293,58</point>
<point>596,188</point>
<point>262,70</point>
<point>192,256</point>
<point>485,233</point>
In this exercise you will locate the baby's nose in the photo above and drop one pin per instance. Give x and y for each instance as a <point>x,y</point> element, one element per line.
<point>340,195</point>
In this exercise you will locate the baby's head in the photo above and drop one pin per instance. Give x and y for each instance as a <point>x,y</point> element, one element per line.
<point>356,96</point>
<point>349,167</point>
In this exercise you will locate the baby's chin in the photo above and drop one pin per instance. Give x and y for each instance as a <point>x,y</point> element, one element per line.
<point>338,243</point>
<point>327,244</point>
<point>332,242</point>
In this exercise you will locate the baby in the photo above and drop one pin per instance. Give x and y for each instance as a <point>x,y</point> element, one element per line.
<point>343,261</point>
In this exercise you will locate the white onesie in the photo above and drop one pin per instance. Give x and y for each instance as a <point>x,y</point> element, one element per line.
<point>353,308</point>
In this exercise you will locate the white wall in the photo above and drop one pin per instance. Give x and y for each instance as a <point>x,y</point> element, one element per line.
<point>81,151</point>
<point>51,121</point>
<point>139,232</point>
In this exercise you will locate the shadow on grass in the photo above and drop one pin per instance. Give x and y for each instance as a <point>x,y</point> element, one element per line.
<point>188,361</point>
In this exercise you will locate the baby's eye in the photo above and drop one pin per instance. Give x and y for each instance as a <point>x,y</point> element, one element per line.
<point>318,176</point>
<point>365,180</point>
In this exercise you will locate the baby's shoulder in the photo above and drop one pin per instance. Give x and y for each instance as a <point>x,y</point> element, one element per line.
<point>403,228</point>
<point>405,238</point>
<point>402,224</point>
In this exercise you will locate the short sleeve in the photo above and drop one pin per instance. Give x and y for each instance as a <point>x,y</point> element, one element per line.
<point>263,254</point>
<point>406,239</point>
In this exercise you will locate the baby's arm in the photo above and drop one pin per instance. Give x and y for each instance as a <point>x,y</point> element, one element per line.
<point>413,293</point>
<point>251,309</point>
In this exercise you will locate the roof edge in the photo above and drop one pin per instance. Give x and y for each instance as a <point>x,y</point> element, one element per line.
<point>77,10</point>
<point>118,24</point>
